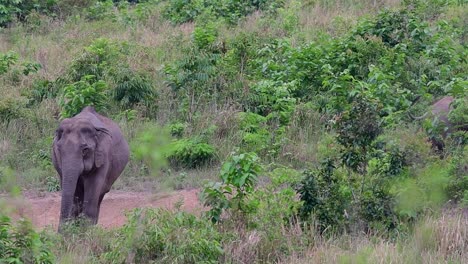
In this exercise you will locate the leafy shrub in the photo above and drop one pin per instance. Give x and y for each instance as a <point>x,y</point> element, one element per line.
<point>11,108</point>
<point>269,97</point>
<point>52,184</point>
<point>259,136</point>
<point>6,60</point>
<point>151,145</point>
<point>20,9</point>
<point>42,89</point>
<point>190,153</point>
<point>83,93</point>
<point>457,188</point>
<point>177,129</point>
<point>424,191</point>
<point>132,89</point>
<point>204,36</point>
<point>357,128</point>
<point>272,221</point>
<point>165,237</point>
<point>181,11</point>
<point>21,244</point>
<point>99,60</point>
<point>239,175</point>
<point>409,143</point>
<point>197,67</point>
<point>325,196</point>
<point>459,114</point>
<point>100,10</point>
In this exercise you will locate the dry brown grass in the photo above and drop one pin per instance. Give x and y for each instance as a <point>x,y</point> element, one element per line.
<point>338,16</point>
<point>434,240</point>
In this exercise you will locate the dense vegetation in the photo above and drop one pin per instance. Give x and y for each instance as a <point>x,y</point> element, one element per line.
<point>292,117</point>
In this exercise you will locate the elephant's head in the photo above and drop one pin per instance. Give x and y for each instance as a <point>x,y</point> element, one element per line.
<point>80,146</point>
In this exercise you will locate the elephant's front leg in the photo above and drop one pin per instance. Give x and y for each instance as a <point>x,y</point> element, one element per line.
<point>78,200</point>
<point>92,190</point>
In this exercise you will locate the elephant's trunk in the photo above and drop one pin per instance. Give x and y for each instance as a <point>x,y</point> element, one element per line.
<point>71,170</point>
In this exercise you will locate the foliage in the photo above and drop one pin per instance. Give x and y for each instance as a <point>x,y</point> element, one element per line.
<point>20,9</point>
<point>41,90</point>
<point>177,129</point>
<point>11,108</point>
<point>356,130</point>
<point>53,184</point>
<point>151,145</point>
<point>181,11</point>
<point>427,191</point>
<point>19,243</point>
<point>190,153</point>
<point>86,92</point>
<point>99,59</point>
<point>165,237</point>
<point>132,89</point>
<point>10,58</point>
<point>6,60</point>
<point>325,196</point>
<point>459,114</point>
<point>457,188</point>
<point>239,175</point>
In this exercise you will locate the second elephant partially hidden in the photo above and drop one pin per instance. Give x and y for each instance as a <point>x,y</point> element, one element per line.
<point>89,153</point>
<point>440,113</point>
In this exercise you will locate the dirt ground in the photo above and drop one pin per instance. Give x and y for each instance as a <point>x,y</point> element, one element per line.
<point>44,209</point>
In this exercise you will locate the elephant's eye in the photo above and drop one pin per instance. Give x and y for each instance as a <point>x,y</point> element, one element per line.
<point>58,134</point>
<point>86,130</point>
<point>85,151</point>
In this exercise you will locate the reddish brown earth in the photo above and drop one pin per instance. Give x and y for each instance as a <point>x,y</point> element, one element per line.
<point>44,210</point>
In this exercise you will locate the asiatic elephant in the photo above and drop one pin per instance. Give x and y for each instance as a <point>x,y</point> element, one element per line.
<point>89,153</point>
<point>440,111</point>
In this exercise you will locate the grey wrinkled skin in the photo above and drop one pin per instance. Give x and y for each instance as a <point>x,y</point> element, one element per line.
<point>89,154</point>
<point>440,110</point>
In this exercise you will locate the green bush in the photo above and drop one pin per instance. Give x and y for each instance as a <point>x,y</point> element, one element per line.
<point>151,145</point>
<point>100,10</point>
<point>190,153</point>
<point>132,89</point>
<point>356,129</point>
<point>239,175</point>
<point>99,59</point>
<point>457,188</point>
<point>7,60</point>
<point>83,93</point>
<point>459,114</point>
<point>273,221</point>
<point>177,129</point>
<point>181,11</point>
<point>425,191</point>
<point>326,196</point>
<point>11,109</point>
<point>19,243</point>
<point>20,9</point>
<point>42,89</point>
<point>155,235</point>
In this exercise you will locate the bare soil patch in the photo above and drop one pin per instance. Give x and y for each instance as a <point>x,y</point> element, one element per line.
<point>44,210</point>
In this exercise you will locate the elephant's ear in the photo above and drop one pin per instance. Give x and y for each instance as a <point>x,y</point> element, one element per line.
<point>103,141</point>
<point>55,154</point>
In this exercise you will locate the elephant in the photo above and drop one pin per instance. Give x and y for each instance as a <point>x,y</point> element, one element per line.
<point>89,153</point>
<point>440,110</point>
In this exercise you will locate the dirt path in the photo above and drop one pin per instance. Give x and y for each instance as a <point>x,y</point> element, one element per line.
<point>44,210</point>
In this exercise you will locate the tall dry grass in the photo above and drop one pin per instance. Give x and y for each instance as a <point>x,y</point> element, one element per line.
<point>442,239</point>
